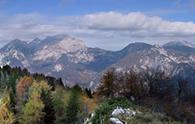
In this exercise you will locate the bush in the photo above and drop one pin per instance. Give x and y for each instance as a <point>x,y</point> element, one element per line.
<point>102,112</point>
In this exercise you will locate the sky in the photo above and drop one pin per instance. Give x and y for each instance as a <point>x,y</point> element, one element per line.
<point>108,24</point>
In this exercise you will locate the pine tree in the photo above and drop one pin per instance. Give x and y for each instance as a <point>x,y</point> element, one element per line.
<point>48,109</point>
<point>58,99</point>
<point>72,109</point>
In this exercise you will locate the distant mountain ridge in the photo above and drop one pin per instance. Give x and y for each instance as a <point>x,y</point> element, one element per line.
<point>69,58</point>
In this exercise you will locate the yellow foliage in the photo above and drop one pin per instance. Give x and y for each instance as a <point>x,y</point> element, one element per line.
<point>35,105</point>
<point>6,116</point>
<point>89,103</point>
<point>39,86</point>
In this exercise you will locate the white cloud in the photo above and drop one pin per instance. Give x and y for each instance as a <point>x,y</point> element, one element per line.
<point>111,30</point>
<point>139,24</point>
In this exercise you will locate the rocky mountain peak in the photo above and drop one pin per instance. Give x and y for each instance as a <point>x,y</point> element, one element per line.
<point>135,47</point>
<point>70,44</point>
<point>75,49</point>
<point>35,41</point>
<point>68,57</point>
<point>180,43</point>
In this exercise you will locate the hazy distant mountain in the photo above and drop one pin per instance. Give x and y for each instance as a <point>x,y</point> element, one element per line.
<point>69,58</point>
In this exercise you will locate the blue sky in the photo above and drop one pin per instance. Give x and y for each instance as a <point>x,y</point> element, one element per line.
<point>84,19</point>
<point>181,10</point>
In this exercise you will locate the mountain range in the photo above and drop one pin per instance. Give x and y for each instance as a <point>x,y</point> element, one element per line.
<point>69,58</point>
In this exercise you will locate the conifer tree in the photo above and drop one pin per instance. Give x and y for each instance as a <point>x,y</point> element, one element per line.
<point>73,107</point>
<point>59,104</point>
<point>48,109</point>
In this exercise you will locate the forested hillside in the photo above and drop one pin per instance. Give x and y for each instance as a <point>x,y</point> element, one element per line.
<point>36,99</point>
<point>120,98</point>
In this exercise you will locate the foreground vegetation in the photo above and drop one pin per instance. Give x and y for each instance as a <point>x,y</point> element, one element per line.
<point>37,99</point>
<point>144,115</point>
<point>152,89</point>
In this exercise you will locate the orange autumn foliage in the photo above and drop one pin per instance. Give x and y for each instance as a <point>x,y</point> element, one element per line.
<point>23,84</point>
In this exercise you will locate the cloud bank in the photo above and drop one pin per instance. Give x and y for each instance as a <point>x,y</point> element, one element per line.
<point>110,30</point>
<point>139,24</point>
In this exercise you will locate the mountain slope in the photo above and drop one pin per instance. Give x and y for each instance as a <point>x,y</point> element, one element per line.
<point>69,58</point>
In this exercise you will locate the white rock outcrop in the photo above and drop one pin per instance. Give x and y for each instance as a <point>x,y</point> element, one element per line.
<point>121,111</point>
<point>115,121</point>
<point>118,112</point>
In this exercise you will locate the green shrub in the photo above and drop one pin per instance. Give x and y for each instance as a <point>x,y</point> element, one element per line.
<point>102,112</point>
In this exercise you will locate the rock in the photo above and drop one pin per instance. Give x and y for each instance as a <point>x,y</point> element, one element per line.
<point>129,112</point>
<point>121,111</point>
<point>117,111</point>
<point>92,115</point>
<point>115,121</point>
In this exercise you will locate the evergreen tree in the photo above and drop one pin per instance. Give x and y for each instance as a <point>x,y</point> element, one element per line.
<point>59,104</point>
<point>48,109</point>
<point>72,109</point>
